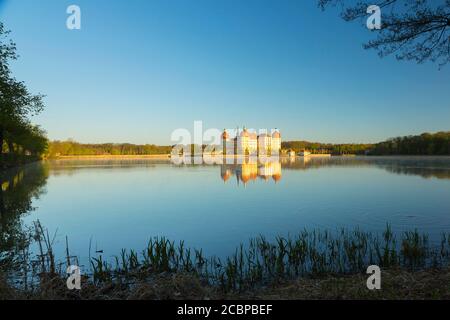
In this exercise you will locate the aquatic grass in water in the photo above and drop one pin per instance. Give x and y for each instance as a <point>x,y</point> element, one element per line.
<point>310,253</point>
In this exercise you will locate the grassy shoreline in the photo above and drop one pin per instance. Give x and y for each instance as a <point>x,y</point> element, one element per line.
<point>397,284</point>
<point>312,265</point>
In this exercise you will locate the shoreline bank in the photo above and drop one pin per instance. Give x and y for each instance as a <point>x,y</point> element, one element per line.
<point>312,265</point>
<point>109,157</point>
<point>10,162</point>
<point>168,156</point>
<point>397,284</point>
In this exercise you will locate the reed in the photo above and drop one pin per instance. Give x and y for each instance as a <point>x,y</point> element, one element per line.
<point>311,253</point>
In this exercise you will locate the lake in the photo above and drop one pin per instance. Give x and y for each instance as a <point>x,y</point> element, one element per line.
<point>108,205</point>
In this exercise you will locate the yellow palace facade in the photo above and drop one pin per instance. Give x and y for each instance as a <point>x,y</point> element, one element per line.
<point>249,143</point>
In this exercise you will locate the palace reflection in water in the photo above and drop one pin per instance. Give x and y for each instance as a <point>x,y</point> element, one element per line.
<point>248,169</point>
<point>251,171</point>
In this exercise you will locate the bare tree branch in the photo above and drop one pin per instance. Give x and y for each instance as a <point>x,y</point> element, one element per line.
<point>417,30</point>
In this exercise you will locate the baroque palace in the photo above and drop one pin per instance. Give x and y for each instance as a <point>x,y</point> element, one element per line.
<point>249,143</point>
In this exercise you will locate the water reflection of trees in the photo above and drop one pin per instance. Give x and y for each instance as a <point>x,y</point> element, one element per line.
<point>70,167</point>
<point>439,173</point>
<point>426,167</point>
<point>18,189</point>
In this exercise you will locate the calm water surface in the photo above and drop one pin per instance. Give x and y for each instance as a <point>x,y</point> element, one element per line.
<point>116,204</point>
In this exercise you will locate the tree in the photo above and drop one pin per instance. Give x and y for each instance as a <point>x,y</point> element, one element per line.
<point>29,139</point>
<point>7,51</point>
<point>17,104</point>
<point>424,144</point>
<point>415,30</point>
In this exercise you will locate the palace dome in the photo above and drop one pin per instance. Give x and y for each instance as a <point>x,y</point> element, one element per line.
<point>226,175</point>
<point>225,135</point>
<point>244,133</point>
<point>245,178</point>
<point>276,135</point>
<point>276,177</point>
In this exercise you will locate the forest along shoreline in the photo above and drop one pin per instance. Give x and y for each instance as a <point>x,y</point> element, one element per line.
<point>110,156</point>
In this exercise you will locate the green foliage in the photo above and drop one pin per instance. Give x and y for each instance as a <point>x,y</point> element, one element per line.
<point>317,147</point>
<point>17,105</point>
<point>424,144</point>
<point>310,253</point>
<point>72,148</point>
<point>256,264</point>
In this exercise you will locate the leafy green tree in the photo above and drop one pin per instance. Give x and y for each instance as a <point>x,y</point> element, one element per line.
<point>17,104</point>
<point>424,144</point>
<point>73,148</point>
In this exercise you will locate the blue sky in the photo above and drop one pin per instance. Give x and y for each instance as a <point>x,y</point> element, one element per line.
<point>139,69</point>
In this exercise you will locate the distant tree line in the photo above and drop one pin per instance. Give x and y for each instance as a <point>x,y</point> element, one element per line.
<point>317,147</point>
<point>72,148</point>
<point>424,144</point>
<point>19,138</point>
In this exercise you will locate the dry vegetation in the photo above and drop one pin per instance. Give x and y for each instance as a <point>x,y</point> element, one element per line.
<point>396,284</point>
<point>312,265</point>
